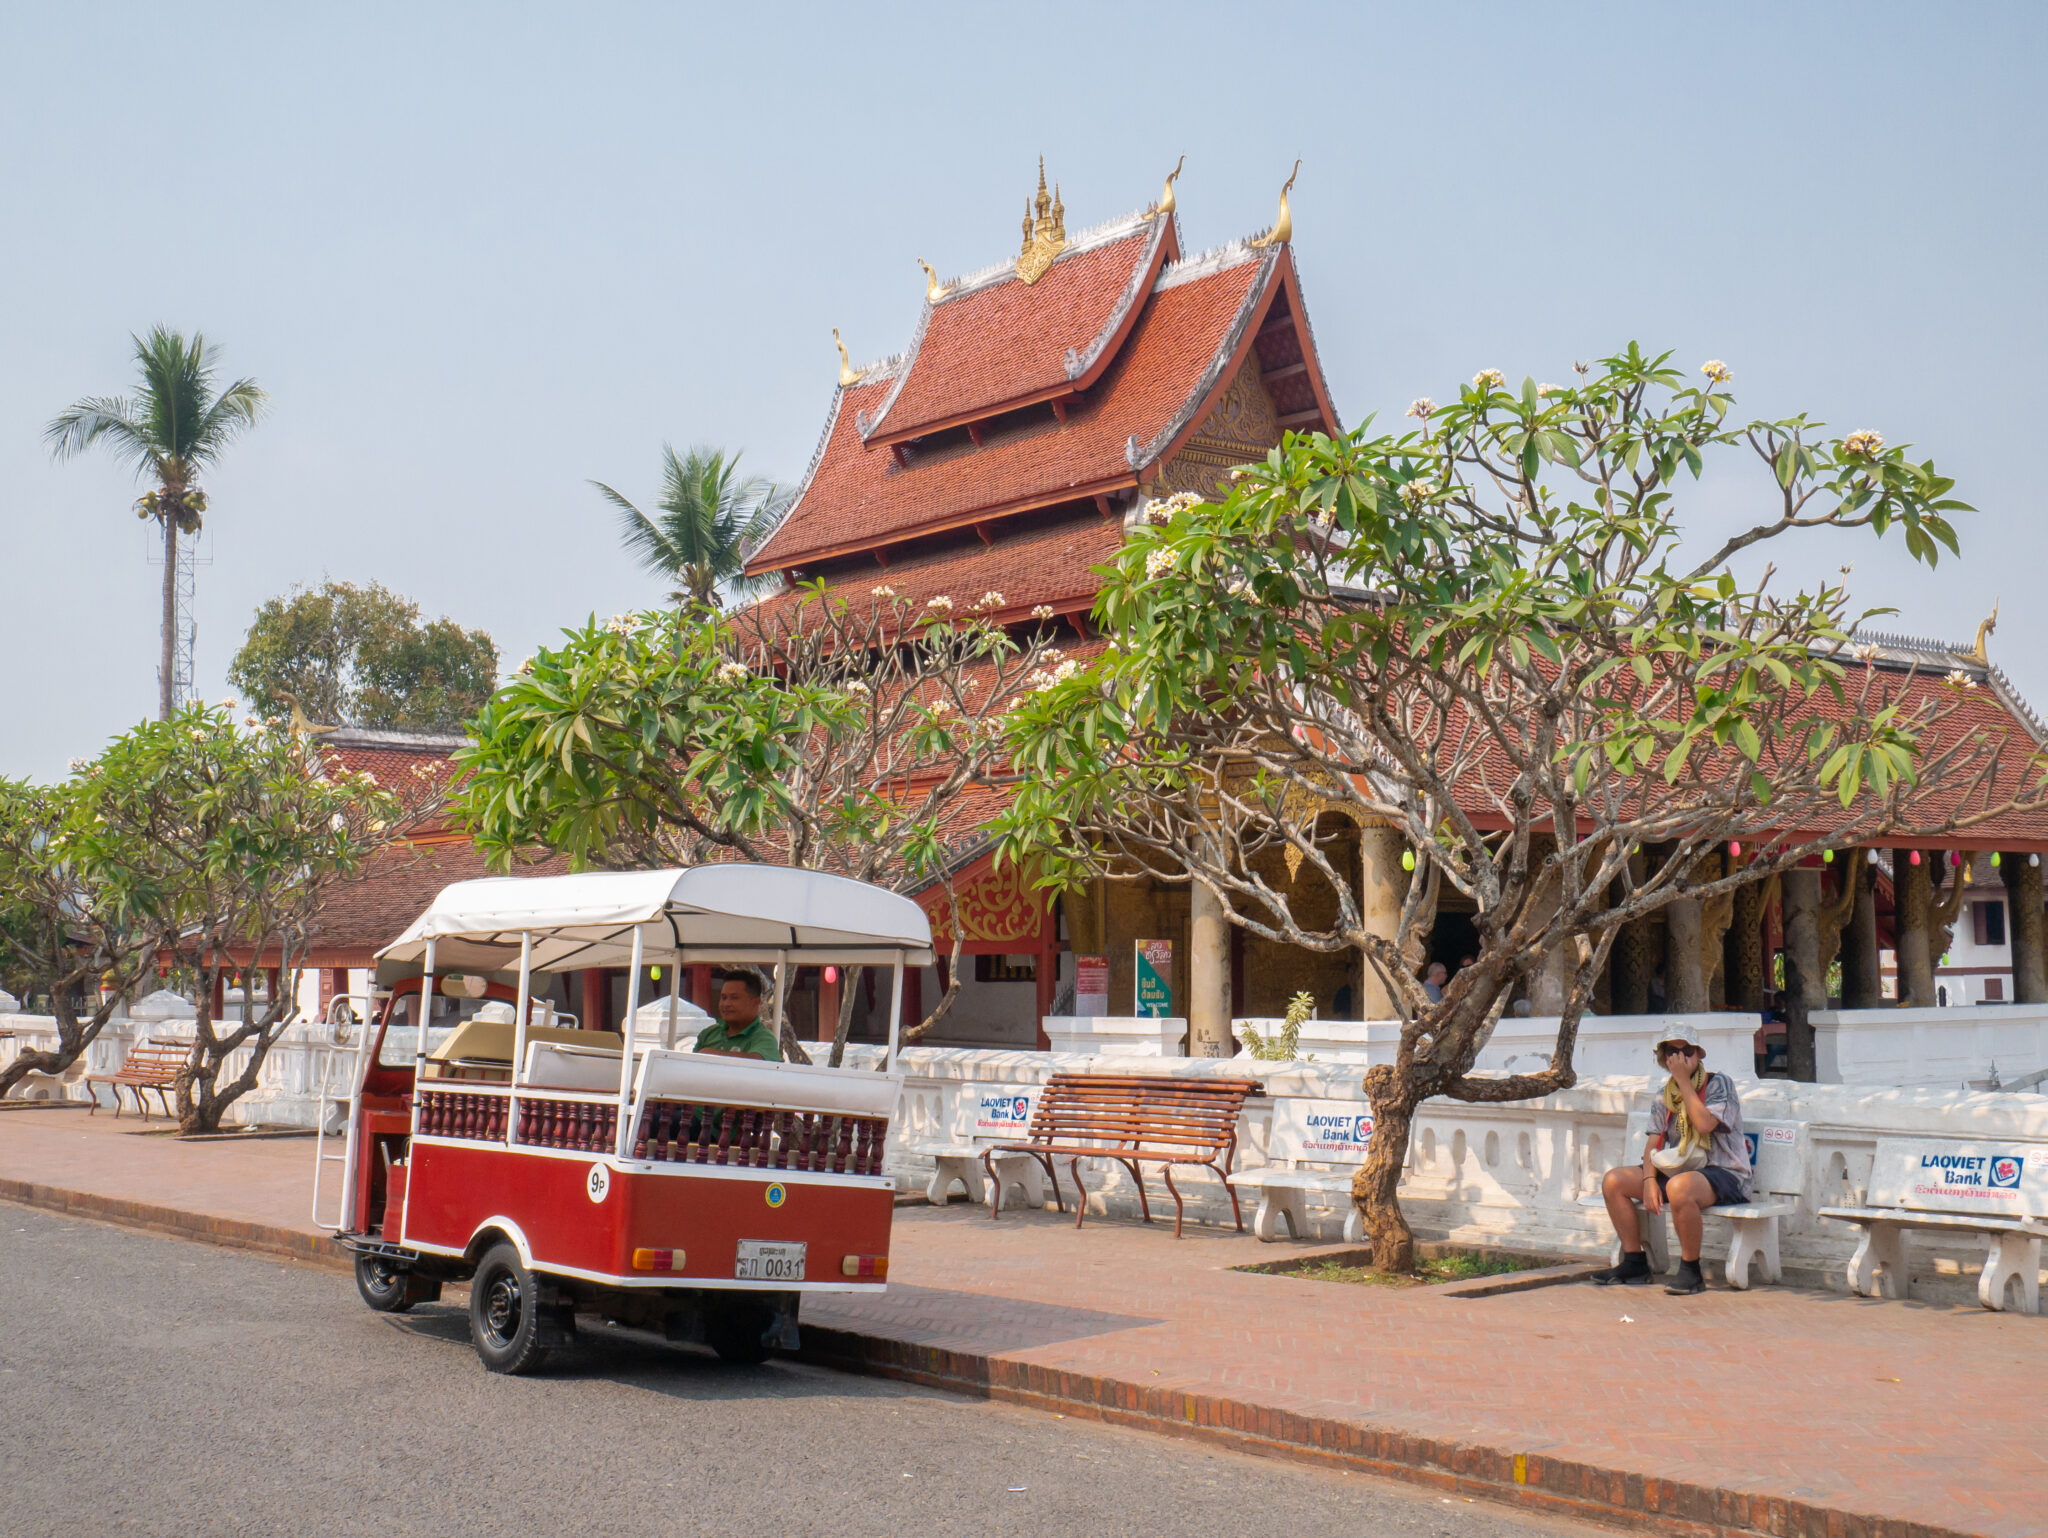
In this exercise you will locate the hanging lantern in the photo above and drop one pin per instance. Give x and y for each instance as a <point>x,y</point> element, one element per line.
<point>1735,849</point>
<point>1955,857</point>
<point>655,973</point>
<point>1915,857</point>
<point>2034,861</point>
<point>1827,857</point>
<point>831,974</point>
<point>1870,857</point>
<point>1996,861</point>
<point>1407,859</point>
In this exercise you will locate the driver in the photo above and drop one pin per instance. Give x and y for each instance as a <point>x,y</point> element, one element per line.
<point>738,1031</point>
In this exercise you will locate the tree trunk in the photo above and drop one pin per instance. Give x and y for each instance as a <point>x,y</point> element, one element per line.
<point>1376,1187</point>
<point>72,1039</point>
<point>849,979</point>
<point>167,694</point>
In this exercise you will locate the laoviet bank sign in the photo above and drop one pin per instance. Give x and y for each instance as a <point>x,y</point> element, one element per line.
<point>2005,1179</point>
<point>1335,1134</point>
<point>1002,1112</point>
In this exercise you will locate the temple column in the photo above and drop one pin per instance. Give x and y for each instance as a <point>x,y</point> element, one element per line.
<point>1630,964</point>
<point>1745,948</point>
<point>1805,983</point>
<point>1208,975</point>
<point>1862,972</point>
<point>1914,893</point>
<point>1382,887</point>
<point>1685,980</point>
<point>2024,926</point>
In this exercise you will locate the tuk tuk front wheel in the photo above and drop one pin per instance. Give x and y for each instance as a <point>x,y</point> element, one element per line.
<point>505,1323</point>
<point>389,1290</point>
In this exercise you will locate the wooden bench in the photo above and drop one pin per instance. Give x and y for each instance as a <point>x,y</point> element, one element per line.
<point>1777,1181</point>
<point>148,1065</point>
<point>988,1114</point>
<point>1998,1190</point>
<point>1307,1132</point>
<point>1134,1119</point>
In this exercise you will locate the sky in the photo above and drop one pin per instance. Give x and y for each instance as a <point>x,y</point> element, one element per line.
<point>479,256</point>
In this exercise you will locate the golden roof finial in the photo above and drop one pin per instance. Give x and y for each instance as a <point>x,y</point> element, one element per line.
<point>1283,227</point>
<point>848,374</point>
<point>1165,203</point>
<point>1045,236</point>
<point>934,290</point>
<point>1977,652</point>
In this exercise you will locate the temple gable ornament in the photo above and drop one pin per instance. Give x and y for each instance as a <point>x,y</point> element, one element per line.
<point>1045,236</point>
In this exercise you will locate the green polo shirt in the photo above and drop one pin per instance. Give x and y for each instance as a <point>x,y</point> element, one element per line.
<point>753,1040</point>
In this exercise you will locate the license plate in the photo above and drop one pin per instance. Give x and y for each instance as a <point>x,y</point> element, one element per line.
<point>765,1260</point>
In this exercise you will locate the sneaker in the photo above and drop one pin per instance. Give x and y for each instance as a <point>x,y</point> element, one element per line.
<point>1688,1281</point>
<point>1634,1271</point>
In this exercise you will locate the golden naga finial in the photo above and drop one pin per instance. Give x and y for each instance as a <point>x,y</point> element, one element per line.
<point>1977,652</point>
<point>1045,231</point>
<point>848,374</point>
<point>934,290</point>
<point>300,725</point>
<point>1165,203</point>
<point>1283,227</point>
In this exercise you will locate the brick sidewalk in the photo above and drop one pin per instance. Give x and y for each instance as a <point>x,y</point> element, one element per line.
<point>1769,1411</point>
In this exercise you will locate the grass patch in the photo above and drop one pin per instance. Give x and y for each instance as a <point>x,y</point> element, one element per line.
<point>1430,1270</point>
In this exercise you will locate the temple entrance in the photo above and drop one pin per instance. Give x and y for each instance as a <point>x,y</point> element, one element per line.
<point>1453,940</point>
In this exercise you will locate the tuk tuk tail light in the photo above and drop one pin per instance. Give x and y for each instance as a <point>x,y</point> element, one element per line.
<point>657,1260</point>
<point>872,1267</point>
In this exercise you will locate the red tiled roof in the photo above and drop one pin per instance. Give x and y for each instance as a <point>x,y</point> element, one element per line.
<point>1043,564</point>
<point>362,916</point>
<point>1005,343</point>
<point>857,496</point>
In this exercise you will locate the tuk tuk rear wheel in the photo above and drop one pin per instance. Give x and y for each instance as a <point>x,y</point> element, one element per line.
<point>736,1330</point>
<point>505,1312</point>
<point>386,1288</point>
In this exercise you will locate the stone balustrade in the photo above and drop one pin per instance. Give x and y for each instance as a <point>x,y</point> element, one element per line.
<point>1953,1048</point>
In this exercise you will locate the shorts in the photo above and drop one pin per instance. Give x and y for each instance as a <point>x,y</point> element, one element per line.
<point>1728,1186</point>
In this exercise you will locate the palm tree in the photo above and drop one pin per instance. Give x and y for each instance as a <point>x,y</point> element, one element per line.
<point>175,426</point>
<point>708,522</point>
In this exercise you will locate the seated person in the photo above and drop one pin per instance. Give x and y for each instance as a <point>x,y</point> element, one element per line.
<point>1434,981</point>
<point>738,1031</point>
<point>1699,1111</point>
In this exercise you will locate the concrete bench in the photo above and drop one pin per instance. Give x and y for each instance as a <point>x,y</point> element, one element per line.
<point>1777,1180</point>
<point>1308,1132</point>
<point>989,1114</point>
<point>1997,1190</point>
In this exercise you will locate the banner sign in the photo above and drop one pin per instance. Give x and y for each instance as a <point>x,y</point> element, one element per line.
<point>1155,971</point>
<point>2007,1180</point>
<point>1336,1130</point>
<point>1002,1110</point>
<point>1091,986</point>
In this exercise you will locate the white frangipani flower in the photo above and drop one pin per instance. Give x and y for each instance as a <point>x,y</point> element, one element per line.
<point>1158,561</point>
<point>1422,408</point>
<point>1715,370</point>
<point>1042,611</point>
<point>1490,378</point>
<point>1864,444</point>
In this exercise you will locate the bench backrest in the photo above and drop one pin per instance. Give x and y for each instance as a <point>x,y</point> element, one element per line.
<point>156,1057</point>
<point>1137,1112</point>
<point>2001,1180</point>
<point>1777,1157</point>
<point>1319,1131</point>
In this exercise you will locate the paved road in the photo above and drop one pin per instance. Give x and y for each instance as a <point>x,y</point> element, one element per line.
<point>153,1386</point>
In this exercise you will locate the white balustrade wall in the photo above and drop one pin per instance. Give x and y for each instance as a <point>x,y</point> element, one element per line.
<point>1955,1048</point>
<point>1514,1175</point>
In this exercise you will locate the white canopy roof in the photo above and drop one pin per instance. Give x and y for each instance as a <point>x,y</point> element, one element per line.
<point>707,913</point>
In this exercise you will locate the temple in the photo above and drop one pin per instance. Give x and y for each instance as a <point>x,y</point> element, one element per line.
<point>1040,404</point>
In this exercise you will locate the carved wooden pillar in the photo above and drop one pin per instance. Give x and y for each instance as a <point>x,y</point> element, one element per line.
<point>1914,896</point>
<point>1630,963</point>
<point>1744,949</point>
<point>2024,926</point>
<point>1805,983</point>
<point>1862,973</point>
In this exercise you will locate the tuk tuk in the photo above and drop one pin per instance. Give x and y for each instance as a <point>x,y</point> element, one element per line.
<point>564,1170</point>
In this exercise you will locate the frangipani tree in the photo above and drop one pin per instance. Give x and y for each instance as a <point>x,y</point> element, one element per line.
<point>807,730</point>
<point>1483,639</point>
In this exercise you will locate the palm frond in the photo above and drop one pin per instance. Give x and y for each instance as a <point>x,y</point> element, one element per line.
<point>96,419</point>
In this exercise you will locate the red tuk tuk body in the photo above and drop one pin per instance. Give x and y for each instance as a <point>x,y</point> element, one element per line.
<point>497,1156</point>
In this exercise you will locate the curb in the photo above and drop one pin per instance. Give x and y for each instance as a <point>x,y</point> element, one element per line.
<point>1532,1481</point>
<point>232,1233</point>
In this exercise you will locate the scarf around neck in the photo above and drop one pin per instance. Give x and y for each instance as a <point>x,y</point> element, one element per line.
<point>1688,1135</point>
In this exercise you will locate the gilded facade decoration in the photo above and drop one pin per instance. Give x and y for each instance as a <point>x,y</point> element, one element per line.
<point>1243,426</point>
<point>1045,236</point>
<point>996,906</point>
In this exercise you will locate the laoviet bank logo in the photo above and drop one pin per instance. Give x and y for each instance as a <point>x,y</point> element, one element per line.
<point>2005,1171</point>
